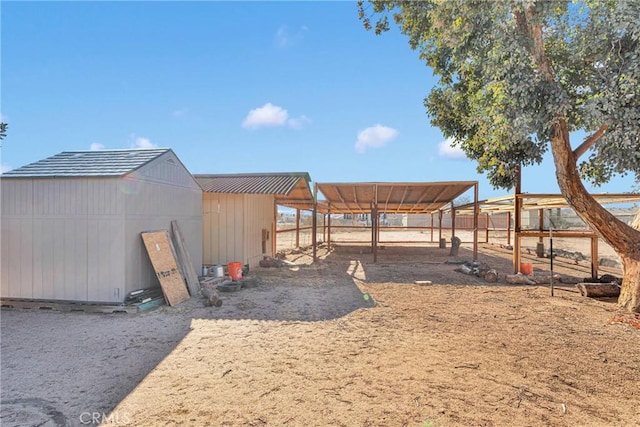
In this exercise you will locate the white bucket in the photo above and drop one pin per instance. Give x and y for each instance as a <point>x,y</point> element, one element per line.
<point>218,271</point>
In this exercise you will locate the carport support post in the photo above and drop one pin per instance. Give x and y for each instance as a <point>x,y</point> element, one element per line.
<point>314,222</point>
<point>517,208</point>
<point>509,228</point>
<point>594,257</point>
<point>324,227</point>
<point>440,225</point>
<point>431,227</point>
<point>297,227</point>
<point>374,226</point>
<point>329,228</point>
<point>476,213</point>
<point>453,220</point>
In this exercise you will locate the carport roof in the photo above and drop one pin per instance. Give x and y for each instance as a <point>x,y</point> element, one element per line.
<point>391,197</point>
<point>541,201</point>
<point>291,189</point>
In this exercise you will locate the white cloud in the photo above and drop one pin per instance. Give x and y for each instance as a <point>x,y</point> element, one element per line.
<point>267,115</point>
<point>446,149</point>
<point>140,142</point>
<point>96,146</point>
<point>144,143</point>
<point>284,39</point>
<point>374,137</point>
<point>5,168</point>
<point>299,122</point>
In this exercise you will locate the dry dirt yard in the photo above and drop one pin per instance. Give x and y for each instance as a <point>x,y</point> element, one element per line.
<point>342,342</point>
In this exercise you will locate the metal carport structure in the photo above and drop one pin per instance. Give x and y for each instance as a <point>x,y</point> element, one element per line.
<point>375,198</point>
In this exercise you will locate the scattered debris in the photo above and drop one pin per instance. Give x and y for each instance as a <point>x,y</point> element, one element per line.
<point>519,279</point>
<point>269,262</point>
<point>423,282</point>
<point>632,319</point>
<point>480,269</point>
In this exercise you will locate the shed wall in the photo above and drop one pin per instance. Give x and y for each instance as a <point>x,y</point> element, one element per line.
<point>62,238</point>
<point>232,227</point>
<point>79,238</point>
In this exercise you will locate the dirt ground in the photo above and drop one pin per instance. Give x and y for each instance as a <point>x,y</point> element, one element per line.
<point>341,342</point>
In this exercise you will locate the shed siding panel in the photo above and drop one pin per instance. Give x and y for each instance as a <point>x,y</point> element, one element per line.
<point>232,227</point>
<point>106,260</point>
<point>151,207</point>
<point>16,197</point>
<point>167,169</point>
<point>258,216</point>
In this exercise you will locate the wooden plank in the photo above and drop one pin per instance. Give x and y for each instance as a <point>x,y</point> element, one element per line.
<point>160,250</point>
<point>184,259</point>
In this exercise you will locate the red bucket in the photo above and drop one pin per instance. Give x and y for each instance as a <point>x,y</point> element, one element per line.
<point>235,270</point>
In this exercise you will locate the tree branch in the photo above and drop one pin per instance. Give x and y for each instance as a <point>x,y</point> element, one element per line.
<point>588,143</point>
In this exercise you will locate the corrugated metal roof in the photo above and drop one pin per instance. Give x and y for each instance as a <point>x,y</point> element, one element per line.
<point>87,163</point>
<point>254,183</point>
<point>392,197</point>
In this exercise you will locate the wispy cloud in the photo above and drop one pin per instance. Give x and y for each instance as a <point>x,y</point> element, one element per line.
<point>270,115</point>
<point>181,112</point>
<point>374,137</point>
<point>5,168</point>
<point>448,150</point>
<point>141,142</point>
<point>144,143</point>
<point>299,122</point>
<point>284,38</point>
<point>96,146</point>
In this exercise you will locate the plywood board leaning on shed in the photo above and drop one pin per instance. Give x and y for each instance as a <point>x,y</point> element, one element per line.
<point>161,254</point>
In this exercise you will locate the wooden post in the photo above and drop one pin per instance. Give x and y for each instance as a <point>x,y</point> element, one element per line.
<point>374,226</point>
<point>329,229</point>
<point>476,212</point>
<point>594,256</point>
<point>431,227</point>
<point>297,228</point>
<point>453,220</point>
<point>314,222</point>
<point>324,227</point>
<point>509,228</point>
<point>486,223</point>
<point>274,229</point>
<point>440,225</point>
<point>517,203</point>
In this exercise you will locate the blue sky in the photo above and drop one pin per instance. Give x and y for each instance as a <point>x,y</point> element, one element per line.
<point>231,87</point>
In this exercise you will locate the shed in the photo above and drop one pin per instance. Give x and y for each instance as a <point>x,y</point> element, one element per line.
<point>71,223</point>
<point>239,213</point>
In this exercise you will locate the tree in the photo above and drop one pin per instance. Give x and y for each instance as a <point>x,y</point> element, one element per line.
<point>517,78</point>
<point>3,130</point>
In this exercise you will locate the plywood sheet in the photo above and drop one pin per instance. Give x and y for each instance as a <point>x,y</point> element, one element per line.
<point>161,254</point>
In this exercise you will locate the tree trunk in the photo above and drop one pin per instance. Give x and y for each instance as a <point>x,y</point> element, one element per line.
<point>624,239</point>
<point>629,298</point>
